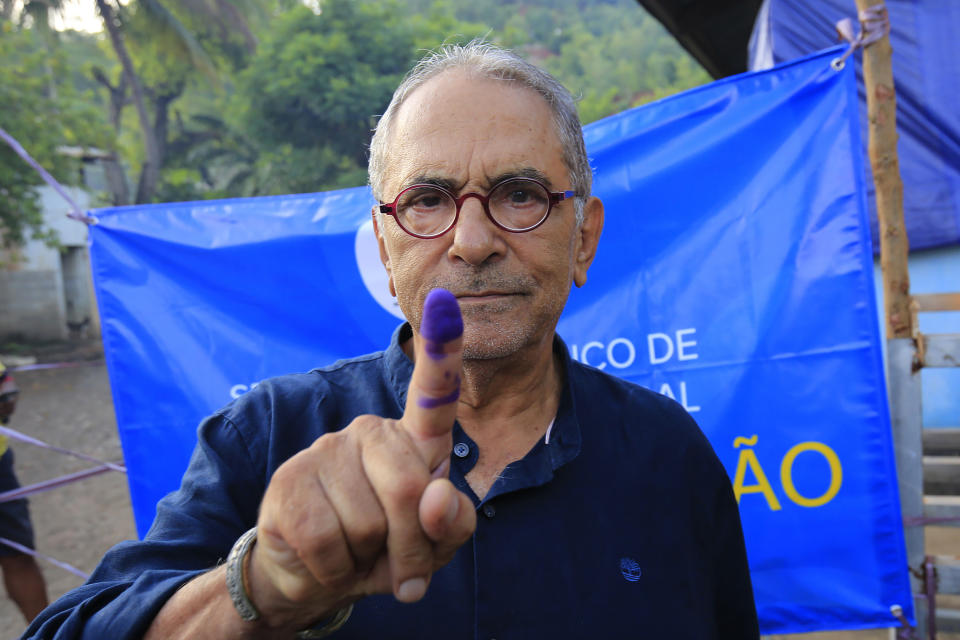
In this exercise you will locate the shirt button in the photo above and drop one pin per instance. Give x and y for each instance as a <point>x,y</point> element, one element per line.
<point>489,511</point>
<point>461,450</point>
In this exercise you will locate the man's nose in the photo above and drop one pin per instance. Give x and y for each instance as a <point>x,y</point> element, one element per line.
<point>476,239</point>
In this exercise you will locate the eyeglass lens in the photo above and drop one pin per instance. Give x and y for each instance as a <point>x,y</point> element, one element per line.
<point>514,204</point>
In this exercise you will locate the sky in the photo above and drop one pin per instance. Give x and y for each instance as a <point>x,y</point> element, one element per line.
<point>80,15</point>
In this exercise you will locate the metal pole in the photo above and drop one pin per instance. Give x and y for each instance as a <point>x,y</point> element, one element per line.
<point>906,420</point>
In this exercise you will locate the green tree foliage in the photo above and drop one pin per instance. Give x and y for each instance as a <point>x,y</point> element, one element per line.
<point>162,47</point>
<point>615,69</point>
<point>42,117</point>
<point>251,97</point>
<point>302,113</point>
<point>310,94</point>
<point>610,53</point>
<point>310,98</point>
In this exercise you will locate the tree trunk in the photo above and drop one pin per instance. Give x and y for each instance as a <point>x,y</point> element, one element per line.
<point>161,112</point>
<point>113,169</point>
<point>150,173</point>
<point>116,181</point>
<point>161,123</point>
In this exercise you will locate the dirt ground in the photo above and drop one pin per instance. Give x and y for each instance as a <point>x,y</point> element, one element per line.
<point>77,523</point>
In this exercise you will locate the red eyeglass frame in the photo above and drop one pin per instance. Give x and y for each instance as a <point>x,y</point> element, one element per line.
<point>556,197</point>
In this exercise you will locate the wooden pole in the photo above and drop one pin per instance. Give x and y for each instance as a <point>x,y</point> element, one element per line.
<point>904,378</point>
<point>882,147</point>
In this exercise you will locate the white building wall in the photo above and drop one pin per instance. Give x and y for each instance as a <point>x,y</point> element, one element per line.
<point>33,304</point>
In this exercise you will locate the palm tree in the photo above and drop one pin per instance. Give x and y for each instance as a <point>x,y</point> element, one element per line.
<point>221,15</point>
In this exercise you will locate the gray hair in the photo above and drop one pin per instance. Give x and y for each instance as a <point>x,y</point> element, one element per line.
<point>490,61</point>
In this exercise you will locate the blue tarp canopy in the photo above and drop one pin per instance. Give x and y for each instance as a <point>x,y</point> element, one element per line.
<point>926,72</point>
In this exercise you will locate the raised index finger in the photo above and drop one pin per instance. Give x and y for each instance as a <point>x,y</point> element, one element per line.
<point>435,385</point>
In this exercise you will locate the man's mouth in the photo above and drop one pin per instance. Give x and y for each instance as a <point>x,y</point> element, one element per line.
<point>484,296</point>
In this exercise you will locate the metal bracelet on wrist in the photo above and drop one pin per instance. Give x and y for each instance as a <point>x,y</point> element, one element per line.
<point>235,584</point>
<point>237,588</point>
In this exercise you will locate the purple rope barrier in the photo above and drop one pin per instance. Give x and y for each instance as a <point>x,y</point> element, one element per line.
<point>55,365</point>
<point>31,552</point>
<point>16,435</point>
<point>77,213</point>
<point>46,485</point>
<point>922,521</point>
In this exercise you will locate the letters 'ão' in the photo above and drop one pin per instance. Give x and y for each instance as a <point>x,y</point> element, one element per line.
<point>748,458</point>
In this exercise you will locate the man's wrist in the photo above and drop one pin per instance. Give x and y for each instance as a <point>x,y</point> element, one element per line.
<point>240,568</point>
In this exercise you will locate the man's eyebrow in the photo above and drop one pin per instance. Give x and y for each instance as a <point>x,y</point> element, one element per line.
<point>432,179</point>
<point>454,186</point>
<point>523,172</point>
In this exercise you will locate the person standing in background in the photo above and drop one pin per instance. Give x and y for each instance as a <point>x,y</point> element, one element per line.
<point>21,575</point>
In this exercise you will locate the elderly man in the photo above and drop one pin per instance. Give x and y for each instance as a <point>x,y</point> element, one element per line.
<point>471,481</point>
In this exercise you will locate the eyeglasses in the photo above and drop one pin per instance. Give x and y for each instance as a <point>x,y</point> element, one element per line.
<point>515,205</point>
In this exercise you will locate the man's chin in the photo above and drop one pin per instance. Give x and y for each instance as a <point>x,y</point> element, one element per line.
<point>492,340</point>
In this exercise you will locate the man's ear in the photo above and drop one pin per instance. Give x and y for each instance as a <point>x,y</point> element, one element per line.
<point>588,236</point>
<point>384,256</point>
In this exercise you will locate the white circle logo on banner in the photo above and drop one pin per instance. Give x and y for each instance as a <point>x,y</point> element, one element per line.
<point>372,273</point>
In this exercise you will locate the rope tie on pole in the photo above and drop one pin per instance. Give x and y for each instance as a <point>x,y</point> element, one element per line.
<point>874,25</point>
<point>904,631</point>
<point>76,213</point>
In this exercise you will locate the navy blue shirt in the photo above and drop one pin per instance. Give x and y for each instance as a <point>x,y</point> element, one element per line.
<point>623,525</point>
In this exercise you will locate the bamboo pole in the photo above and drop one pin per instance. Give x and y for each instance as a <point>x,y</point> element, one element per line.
<point>882,148</point>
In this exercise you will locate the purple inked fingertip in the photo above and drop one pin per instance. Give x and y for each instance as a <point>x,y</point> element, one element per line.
<point>441,319</point>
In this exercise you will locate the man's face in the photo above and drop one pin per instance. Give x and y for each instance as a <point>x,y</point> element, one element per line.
<point>467,134</point>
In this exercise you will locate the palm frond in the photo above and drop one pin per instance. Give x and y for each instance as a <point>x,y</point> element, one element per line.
<point>169,22</point>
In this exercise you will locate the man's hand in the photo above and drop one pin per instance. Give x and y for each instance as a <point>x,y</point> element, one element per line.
<point>369,509</point>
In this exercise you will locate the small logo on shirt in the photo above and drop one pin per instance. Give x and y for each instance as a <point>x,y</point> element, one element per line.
<point>630,569</point>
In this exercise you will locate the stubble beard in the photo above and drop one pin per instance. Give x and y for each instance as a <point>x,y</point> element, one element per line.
<point>489,334</point>
<point>491,330</point>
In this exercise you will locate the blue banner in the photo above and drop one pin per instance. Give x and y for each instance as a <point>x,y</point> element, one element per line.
<point>736,253</point>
